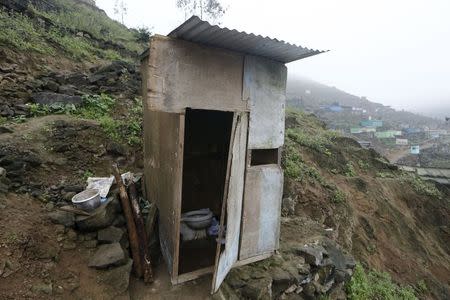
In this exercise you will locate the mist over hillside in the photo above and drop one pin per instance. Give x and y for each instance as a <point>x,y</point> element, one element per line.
<point>436,111</point>
<point>310,95</point>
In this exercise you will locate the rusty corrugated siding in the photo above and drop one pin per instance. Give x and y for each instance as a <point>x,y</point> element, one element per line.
<point>198,31</point>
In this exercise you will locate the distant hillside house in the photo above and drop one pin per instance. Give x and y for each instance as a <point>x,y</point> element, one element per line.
<point>436,133</point>
<point>371,123</point>
<point>335,107</point>
<point>413,130</point>
<point>401,142</point>
<point>389,134</point>
<point>356,130</point>
<point>415,149</point>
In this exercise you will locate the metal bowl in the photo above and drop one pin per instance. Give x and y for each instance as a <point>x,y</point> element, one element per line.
<point>87,200</point>
<point>198,219</point>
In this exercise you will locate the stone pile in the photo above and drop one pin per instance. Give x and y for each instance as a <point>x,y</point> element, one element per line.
<point>18,87</point>
<point>105,233</point>
<point>298,272</point>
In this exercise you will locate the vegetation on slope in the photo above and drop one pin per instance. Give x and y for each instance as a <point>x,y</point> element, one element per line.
<point>390,220</point>
<point>375,285</point>
<point>100,108</point>
<point>78,31</point>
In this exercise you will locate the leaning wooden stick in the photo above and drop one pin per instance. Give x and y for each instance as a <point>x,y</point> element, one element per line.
<point>142,236</point>
<point>131,226</point>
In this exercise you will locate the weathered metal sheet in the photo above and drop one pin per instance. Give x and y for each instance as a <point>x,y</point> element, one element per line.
<point>262,210</point>
<point>184,74</point>
<point>198,31</point>
<point>235,192</point>
<point>163,159</point>
<point>265,90</point>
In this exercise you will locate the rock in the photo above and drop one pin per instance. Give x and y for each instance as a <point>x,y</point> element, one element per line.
<point>281,280</point>
<point>47,250</point>
<point>62,217</point>
<point>110,234</point>
<point>60,228</point>
<point>74,188</point>
<point>51,86</point>
<point>101,217</point>
<point>77,79</point>
<point>313,254</point>
<point>96,78</point>
<point>32,159</point>
<point>116,149</point>
<point>21,109</point>
<point>280,276</point>
<point>2,172</point>
<point>67,90</point>
<point>288,206</point>
<point>90,244</point>
<point>258,289</point>
<point>119,221</point>
<point>71,235</point>
<point>291,289</point>
<point>234,280</point>
<point>309,290</point>
<point>3,188</point>
<point>107,255</point>
<point>43,288</point>
<point>118,278</point>
<point>5,130</point>
<point>225,292</point>
<point>68,196</point>
<point>48,98</point>
<point>68,245</point>
<point>338,259</point>
<point>49,206</point>
<point>117,67</point>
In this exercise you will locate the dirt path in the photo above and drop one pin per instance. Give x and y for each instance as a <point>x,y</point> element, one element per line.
<point>32,125</point>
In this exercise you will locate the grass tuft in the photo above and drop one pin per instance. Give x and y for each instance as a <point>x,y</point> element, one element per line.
<point>373,285</point>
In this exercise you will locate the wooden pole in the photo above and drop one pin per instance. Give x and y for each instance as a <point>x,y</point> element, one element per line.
<point>142,236</point>
<point>132,233</point>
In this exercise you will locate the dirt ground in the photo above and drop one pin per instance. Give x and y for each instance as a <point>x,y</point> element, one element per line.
<point>37,256</point>
<point>37,262</point>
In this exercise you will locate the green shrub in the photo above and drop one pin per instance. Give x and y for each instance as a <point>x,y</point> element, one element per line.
<point>338,196</point>
<point>385,175</point>
<point>421,287</point>
<point>3,120</point>
<point>74,46</point>
<point>18,31</point>
<point>422,187</point>
<point>142,34</point>
<point>349,170</point>
<point>375,285</point>
<point>111,127</point>
<point>38,110</point>
<point>318,143</point>
<point>363,165</point>
<point>80,18</point>
<point>296,169</point>
<point>96,106</point>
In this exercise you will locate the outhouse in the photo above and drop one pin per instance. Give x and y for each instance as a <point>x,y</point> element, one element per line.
<point>214,109</point>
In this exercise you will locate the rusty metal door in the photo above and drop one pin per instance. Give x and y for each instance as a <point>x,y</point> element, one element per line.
<point>232,205</point>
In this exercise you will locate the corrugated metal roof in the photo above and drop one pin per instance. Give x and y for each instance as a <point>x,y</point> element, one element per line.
<point>198,31</point>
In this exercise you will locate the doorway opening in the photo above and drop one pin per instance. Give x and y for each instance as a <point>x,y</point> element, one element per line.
<point>206,146</point>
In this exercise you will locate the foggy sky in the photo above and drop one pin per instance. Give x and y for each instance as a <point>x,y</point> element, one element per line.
<point>394,52</point>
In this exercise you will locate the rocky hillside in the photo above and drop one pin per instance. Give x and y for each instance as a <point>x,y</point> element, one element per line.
<point>353,225</point>
<point>341,200</point>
